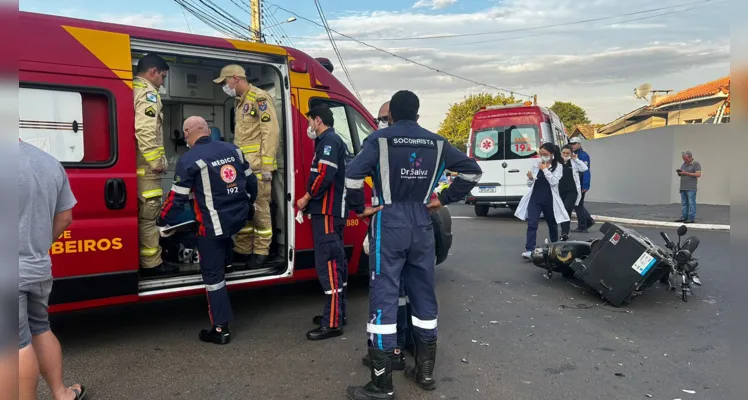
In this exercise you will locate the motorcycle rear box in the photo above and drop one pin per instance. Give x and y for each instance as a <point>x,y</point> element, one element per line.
<point>621,264</point>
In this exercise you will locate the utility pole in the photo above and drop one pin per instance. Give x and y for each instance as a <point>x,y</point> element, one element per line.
<point>255,26</point>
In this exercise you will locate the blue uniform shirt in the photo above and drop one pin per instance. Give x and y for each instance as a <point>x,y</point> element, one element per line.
<point>405,162</point>
<point>222,184</point>
<point>586,176</point>
<point>327,178</point>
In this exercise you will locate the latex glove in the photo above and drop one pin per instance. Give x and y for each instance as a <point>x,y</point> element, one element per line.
<point>300,217</point>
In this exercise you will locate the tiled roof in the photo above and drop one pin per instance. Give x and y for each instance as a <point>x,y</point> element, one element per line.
<point>587,130</point>
<point>721,85</point>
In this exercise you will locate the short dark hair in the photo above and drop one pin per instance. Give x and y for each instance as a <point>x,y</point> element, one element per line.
<point>152,61</point>
<point>324,113</point>
<point>404,106</point>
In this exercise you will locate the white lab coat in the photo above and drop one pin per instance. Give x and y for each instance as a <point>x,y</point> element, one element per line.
<point>553,178</point>
<point>578,166</point>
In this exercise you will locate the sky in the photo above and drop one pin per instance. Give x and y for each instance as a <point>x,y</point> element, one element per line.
<point>593,53</point>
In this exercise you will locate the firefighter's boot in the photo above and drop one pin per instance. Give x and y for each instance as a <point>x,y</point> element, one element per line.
<point>219,334</point>
<point>423,372</point>
<point>398,360</point>
<point>380,387</point>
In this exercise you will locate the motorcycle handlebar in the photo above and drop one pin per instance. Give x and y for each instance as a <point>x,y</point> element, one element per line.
<point>666,238</point>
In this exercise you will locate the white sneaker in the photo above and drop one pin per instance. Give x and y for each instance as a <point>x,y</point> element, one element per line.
<point>527,255</point>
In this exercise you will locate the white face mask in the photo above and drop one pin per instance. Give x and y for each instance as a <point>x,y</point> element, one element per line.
<point>383,125</point>
<point>566,158</point>
<point>229,91</point>
<point>545,159</point>
<point>162,89</point>
<point>311,132</point>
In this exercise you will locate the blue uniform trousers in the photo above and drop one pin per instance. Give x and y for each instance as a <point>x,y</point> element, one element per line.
<point>402,248</point>
<point>331,265</point>
<point>215,253</point>
<point>404,323</point>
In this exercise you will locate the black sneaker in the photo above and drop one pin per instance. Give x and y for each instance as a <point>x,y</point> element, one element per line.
<point>218,335</point>
<point>565,237</point>
<point>681,220</point>
<point>689,221</point>
<point>324,332</point>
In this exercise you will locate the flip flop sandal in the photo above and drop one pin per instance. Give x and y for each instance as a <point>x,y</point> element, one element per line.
<point>79,394</point>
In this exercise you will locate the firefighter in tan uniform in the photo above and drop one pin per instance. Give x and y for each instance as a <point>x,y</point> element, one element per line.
<point>151,159</point>
<point>257,134</point>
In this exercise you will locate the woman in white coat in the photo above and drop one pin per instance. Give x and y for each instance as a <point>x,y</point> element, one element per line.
<point>569,186</point>
<point>543,197</point>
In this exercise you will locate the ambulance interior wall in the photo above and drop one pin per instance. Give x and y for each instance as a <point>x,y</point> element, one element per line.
<point>217,113</point>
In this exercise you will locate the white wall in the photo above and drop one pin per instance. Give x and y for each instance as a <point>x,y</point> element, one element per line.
<point>639,167</point>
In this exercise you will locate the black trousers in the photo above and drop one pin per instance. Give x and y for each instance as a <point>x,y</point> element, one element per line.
<point>569,199</point>
<point>332,266</point>
<point>584,219</point>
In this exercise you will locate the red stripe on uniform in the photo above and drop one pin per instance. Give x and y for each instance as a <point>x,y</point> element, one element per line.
<point>167,204</point>
<point>336,301</point>
<point>321,169</point>
<point>198,218</point>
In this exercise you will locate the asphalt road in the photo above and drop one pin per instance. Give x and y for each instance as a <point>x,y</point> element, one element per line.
<point>506,332</point>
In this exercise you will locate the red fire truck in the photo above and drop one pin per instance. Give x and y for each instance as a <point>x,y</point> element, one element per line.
<point>76,103</point>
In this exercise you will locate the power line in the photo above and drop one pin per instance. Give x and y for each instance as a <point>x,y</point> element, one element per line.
<point>580,30</point>
<point>335,48</point>
<point>404,58</point>
<point>210,20</point>
<point>585,21</point>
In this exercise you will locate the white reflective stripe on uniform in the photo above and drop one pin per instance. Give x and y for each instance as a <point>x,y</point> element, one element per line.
<point>217,286</point>
<point>375,201</point>
<point>313,169</point>
<point>384,170</point>
<point>475,178</point>
<point>388,329</point>
<point>354,183</point>
<point>140,172</point>
<point>343,210</point>
<point>402,301</point>
<point>208,191</point>
<point>439,147</point>
<point>330,163</point>
<point>247,172</point>
<point>241,156</point>
<point>424,324</point>
<point>180,189</point>
<point>336,291</point>
<point>345,284</point>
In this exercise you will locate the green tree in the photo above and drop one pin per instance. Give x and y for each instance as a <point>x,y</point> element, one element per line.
<point>570,114</point>
<point>456,125</point>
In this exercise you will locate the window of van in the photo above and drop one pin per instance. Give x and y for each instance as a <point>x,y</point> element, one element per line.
<point>349,123</point>
<point>506,142</point>
<point>71,125</point>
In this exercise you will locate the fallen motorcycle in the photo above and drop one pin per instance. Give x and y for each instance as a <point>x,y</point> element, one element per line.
<point>623,263</point>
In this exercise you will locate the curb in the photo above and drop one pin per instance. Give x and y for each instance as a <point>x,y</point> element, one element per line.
<point>663,224</point>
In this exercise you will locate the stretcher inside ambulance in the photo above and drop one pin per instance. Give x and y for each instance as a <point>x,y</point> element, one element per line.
<point>76,103</point>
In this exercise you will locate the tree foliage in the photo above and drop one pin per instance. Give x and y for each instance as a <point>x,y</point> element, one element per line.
<point>456,125</point>
<point>570,114</point>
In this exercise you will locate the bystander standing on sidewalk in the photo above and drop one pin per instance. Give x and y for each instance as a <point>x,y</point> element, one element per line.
<point>46,203</point>
<point>584,219</point>
<point>689,173</point>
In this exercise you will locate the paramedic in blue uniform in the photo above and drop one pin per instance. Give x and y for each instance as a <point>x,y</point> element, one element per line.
<point>323,200</point>
<point>224,189</point>
<point>405,162</point>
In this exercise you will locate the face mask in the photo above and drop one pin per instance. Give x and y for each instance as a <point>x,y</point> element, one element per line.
<point>566,158</point>
<point>161,89</point>
<point>311,132</point>
<point>545,159</point>
<point>383,125</point>
<point>229,92</point>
